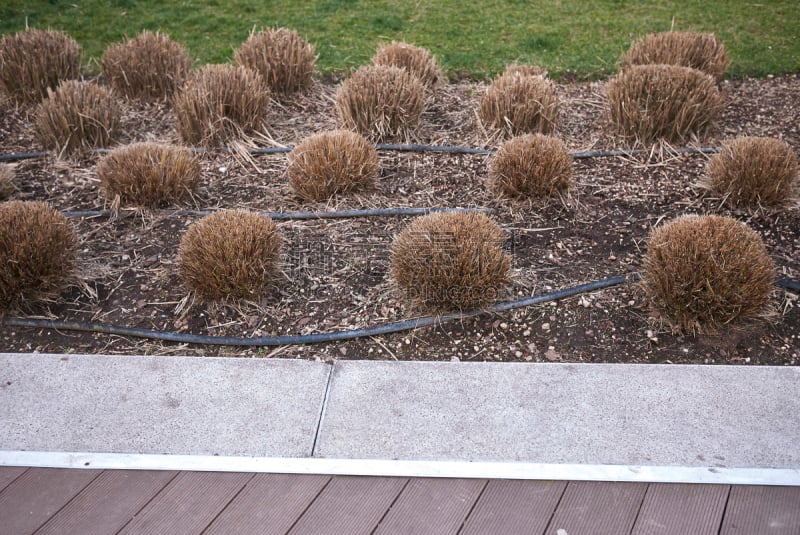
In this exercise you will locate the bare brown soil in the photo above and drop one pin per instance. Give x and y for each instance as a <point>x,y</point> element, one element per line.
<point>335,271</point>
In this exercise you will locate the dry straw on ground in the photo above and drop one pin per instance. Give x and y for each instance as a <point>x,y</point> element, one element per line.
<point>283,58</point>
<point>702,273</point>
<point>220,103</point>
<point>328,163</point>
<point>381,102</point>
<point>7,186</point>
<point>662,102</point>
<point>416,60</point>
<point>750,172</point>
<point>532,166</point>
<point>450,261</point>
<point>150,66</point>
<point>701,51</point>
<point>517,103</point>
<point>33,61</point>
<point>37,252</point>
<point>230,254</point>
<point>77,117</point>
<point>149,174</point>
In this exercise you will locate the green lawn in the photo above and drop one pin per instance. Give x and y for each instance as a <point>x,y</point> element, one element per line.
<point>568,37</point>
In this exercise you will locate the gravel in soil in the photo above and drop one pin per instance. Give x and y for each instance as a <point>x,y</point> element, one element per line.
<point>335,272</point>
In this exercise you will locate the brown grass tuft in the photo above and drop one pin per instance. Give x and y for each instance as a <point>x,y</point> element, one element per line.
<point>149,174</point>
<point>381,102</point>
<point>525,70</point>
<point>37,252</point>
<point>331,162</point>
<point>77,117</point>
<point>7,186</point>
<point>518,103</point>
<point>754,171</point>
<point>33,61</point>
<point>702,273</point>
<point>220,103</point>
<point>653,102</point>
<point>150,66</point>
<point>283,58</point>
<point>450,261</point>
<point>231,253</point>
<point>701,51</point>
<point>533,165</point>
<point>416,60</point>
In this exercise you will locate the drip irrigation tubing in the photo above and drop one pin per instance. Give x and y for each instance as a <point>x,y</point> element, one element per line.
<point>341,214</point>
<point>789,284</point>
<point>401,148</point>
<point>388,328</point>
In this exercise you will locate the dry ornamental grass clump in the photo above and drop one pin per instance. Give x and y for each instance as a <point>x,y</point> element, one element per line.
<point>220,103</point>
<point>77,117</point>
<point>662,102</point>
<point>533,166</point>
<point>283,58</point>
<point>33,61</point>
<point>701,51</point>
<point>150,66</point>
<point>702,273</point>
<point>525,70</point>
<point>328,163</point>
<point>517,103</point>
<point>754,171</point>
<point>450,261</point>
<point>231,253</point>
<point>381,102</point>
<point>416,60</point>
<point>7,186</point>
<point>37,252</point>
<point>149,174</point>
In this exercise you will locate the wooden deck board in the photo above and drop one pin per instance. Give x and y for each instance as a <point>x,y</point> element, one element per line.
<point>269,503</point>
<point>677,509</point>
<point>9,474</point>
<point>430,505</point>
<point>598,508</point>
<point>511,506</point>
<point>189,503</point>
<point>350,504</point>
<point>108,503</point>
<point>762,510</point>
<point>32,498</point>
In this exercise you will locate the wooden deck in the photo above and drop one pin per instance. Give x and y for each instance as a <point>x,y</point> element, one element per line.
<point>67,501</point>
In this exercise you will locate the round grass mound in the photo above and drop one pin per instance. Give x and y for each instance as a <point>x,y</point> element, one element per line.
<point>38,250</point>
<point>221,103</point>
<point>517,103</point>
<point>381,102</point>
<point>7,186</point>
<point>77,117</point>
<point>283,58</point>
<point>525,70</point>
<point>150,66</point>
<point>701,51</point>
<point>450,261</point>
<point>33,61</point>
<point>753,171</point>
<point>531,166</point>
<point>648,103</point>
<point>702,273</point>
<point>230,254</point>
<point>149,174</point>
<point>416,60</point>
<point>328,163</point>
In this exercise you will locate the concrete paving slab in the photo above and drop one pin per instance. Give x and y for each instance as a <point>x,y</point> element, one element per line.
<point>160,405</point>
<point>599,414</point>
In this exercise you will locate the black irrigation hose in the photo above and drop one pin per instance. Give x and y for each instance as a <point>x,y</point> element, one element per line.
<point>789,283</point>
<point>401,148</point>
<point>341,214</point>
<point>336,336</point>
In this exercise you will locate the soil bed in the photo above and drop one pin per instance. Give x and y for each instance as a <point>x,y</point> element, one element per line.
<point>335,271</point>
